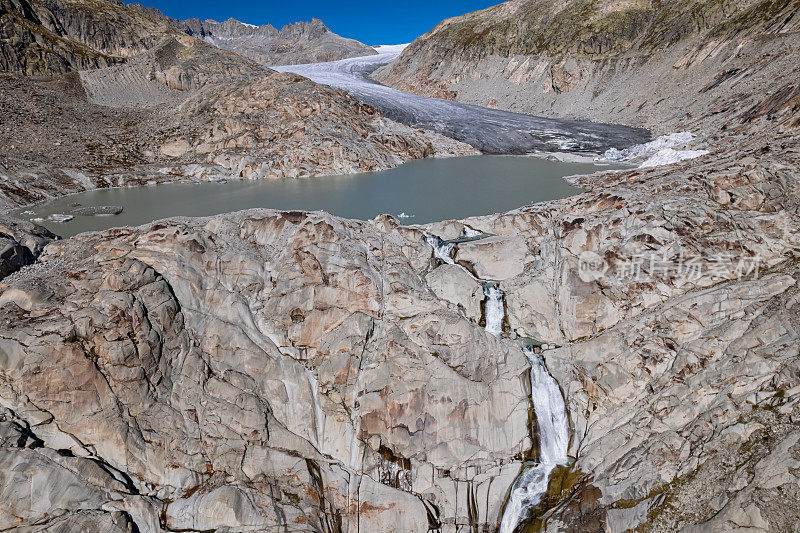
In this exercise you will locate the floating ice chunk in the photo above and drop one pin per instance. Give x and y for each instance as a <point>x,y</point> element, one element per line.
<point>56,217</point>
<point>404,215</point>
<point>612,154</point>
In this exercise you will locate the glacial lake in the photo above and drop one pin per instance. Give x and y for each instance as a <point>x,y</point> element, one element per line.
<point>418,192</point>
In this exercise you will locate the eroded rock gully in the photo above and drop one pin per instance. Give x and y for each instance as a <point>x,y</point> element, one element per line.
<point>295,371</point>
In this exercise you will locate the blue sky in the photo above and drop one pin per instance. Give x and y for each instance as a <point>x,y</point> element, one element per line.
<point>372,22</point>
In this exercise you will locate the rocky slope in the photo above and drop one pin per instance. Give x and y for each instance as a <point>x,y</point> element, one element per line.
<point>308,380</point>
<point>265,370</point>
<point>56,36</point>
<point>182,109</point>
<point>663,65</point>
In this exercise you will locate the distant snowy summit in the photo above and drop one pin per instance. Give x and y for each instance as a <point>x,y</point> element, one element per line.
<point>302,42</point>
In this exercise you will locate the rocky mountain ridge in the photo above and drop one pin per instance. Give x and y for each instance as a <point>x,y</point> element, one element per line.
<point>57,36</point>
<point>302,42</point>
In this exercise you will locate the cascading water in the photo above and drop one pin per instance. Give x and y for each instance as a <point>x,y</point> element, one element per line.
<point>548,403</point>
<point>494,308</point>
<point>471,233</point>
<point>441,249</point>
<point>553,429</point>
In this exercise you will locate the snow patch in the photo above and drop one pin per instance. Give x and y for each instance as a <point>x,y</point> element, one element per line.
<point>667,156</point>
<point>391,48</point>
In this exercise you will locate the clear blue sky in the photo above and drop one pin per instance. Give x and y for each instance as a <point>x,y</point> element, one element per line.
<point>372,22</point>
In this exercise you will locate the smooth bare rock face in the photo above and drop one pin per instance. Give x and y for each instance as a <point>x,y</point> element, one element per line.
<point>455,285</point>
<point>494,258</point>
<point>267,369</point>
<point>674,310</point>
<point>253,371</point>
<point>667,66</point>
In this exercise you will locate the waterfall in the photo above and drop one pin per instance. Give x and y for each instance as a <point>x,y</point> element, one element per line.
<point>493,308</point>
<point>553,430</point>
<point>472,233</point>
<point>441,249</point>
<point>548,403</point>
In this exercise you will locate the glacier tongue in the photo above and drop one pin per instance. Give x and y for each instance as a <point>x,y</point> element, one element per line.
<point>661,151</point>
<point>489,130</point>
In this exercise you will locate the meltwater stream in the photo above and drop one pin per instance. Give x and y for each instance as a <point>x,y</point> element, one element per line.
<point>553,431</point>
<point>552,423</point>
<point>494,308</point>
<point>489,130</point>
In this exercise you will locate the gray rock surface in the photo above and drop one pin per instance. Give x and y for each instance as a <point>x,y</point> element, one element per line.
<point>302,42</point>
<point>275,388</point>
<point>681,385</point>
<point>295,371</point>
<point>21,242</point>
<point>264,368</point>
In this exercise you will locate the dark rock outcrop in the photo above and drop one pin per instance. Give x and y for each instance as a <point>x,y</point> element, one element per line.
<point>21,242</point>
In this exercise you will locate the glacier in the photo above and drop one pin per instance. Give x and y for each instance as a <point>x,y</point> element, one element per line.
<point>661,151</point>
<point>489,130</point>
